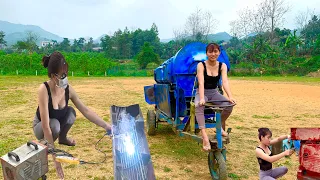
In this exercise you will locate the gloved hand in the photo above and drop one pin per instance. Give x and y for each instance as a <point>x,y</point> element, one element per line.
<point>109,132</point>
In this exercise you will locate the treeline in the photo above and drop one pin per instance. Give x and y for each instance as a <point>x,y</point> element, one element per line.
<point>259,47</point>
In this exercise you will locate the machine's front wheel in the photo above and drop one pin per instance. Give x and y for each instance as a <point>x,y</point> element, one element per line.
<point>151,123</point>
<point>217,165</point>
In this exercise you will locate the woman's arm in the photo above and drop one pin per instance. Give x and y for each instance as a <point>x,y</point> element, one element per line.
<point>88,113</point>
<point>225,82</point>
<point>271,159</point>
<point>200,77</point>
<point>44,114</point>
<point>281,138</point>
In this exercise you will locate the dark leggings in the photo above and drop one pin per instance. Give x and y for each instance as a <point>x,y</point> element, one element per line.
<point>58,128</point>
<point>273,173</point>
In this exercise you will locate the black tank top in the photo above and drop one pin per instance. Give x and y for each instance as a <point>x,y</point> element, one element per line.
<point>211,82</point>
<point>58,114</point>
<point>264,165</point>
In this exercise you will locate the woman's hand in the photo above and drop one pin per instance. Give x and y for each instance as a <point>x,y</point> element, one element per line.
<point>59,170</point>
<point>289,152</point>
<point>232,100</point>
<point>202,102</point>
<point>108,129</point>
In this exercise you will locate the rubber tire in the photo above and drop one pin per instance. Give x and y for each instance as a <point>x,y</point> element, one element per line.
<point>151,123</point>
<point>217,165</point>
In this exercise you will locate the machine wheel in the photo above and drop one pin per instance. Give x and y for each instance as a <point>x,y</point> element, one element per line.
<point>217,165</point>
<point>151,123</point>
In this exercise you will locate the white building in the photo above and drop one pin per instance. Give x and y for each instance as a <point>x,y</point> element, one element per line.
<point>46,43</point>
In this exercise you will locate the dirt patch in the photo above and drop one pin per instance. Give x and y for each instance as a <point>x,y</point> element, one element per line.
<point>277,105</point>
<point>314,74</point>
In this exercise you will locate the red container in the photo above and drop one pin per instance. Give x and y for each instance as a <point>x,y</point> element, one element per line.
<point>306,175</point>
<point>309,155</point>
<point>310,134</point>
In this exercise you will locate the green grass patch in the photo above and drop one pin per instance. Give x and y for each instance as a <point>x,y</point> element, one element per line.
<point>14,97</point>
<point>261,117</point>
<point>188,170</point>
<point>311,115</point>
<point>166,169</point>
<point>233,176</point>
<point>236,118</point>
<point>169,144</point>
<point>300,79</point>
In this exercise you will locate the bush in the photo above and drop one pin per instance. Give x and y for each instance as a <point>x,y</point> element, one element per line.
<point>79,63</point>
<point>146,56</point>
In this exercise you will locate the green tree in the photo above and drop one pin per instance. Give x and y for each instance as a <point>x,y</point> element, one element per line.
<point>106,45</point>
<point>282,35</point>
<point>147,55</point>
<point>310,34</point>
<point>81,43</point>
<point>292,43</point>
<point>29,44</point>
<point>2,41</point>
<point>75,46</point>
<point>65,45</point>
<point>88,47</point>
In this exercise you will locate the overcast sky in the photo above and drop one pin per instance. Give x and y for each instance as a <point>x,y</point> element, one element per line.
<point>92,18</point>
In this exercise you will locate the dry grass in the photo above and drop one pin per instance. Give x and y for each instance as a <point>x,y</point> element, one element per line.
<point>277,105</point>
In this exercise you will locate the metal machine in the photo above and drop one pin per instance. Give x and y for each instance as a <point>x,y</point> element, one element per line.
<point>28,162</point>
<point>172,96</point>
<point>309,155</point>
<point>131,153</point>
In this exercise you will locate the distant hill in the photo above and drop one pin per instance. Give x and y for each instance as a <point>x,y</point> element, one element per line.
<point>221,36</point>
<point>98,40</point>
<point>166,40</point>
<point>17,32</point>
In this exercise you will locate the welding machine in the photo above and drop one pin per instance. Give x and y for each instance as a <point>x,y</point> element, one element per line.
<point>28,162</point>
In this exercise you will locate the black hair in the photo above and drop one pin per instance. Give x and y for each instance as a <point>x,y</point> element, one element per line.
<point>263,132</point>
<point>55,63</point>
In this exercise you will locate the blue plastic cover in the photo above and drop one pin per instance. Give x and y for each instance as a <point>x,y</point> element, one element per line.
<point>185,62</point>
<point>187,58</point>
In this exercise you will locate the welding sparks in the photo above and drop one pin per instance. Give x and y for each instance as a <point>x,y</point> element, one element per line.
<point>128,145</point>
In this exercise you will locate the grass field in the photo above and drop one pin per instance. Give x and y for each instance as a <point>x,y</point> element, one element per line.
<point>275,102</point>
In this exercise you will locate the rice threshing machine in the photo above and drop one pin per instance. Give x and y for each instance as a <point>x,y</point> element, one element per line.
<point>172,97</point>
